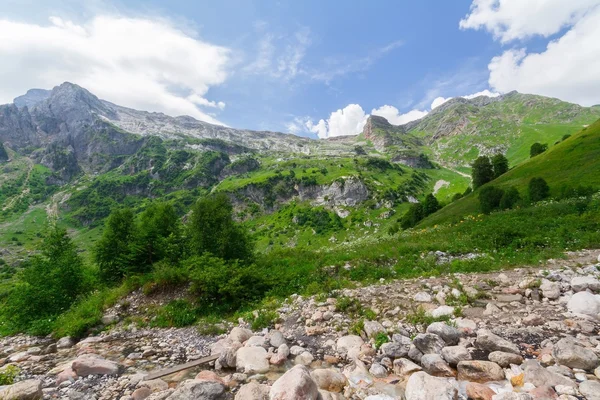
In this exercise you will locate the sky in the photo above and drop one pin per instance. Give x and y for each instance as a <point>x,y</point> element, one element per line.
<point>312,68</point>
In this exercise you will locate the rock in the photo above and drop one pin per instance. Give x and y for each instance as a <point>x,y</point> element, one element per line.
<point>238,334</point>
<point>25,390</point>
<point>550,290</point>
<point>449,334</point>
<point>329,380</point>
<point>283,351</point>
<point>421,386</point>
<point>429,343</point>
<point>477,391</point>
<point>207,375</point>
<point>252,360</point>
<point>253,391</point>
<point>395,350</point>
<point>533,320</point>
<point>590,389</point>
<point>372,328</point>
<point>155,385</point>
<point>295,384</point>
<point>455,354</point>
<point>255,341</point>
<point>512,396</point>
<point>228,356</point>
<point>414,353</point>
<point>141,393</point>
<point>543,393</point>
<point>435,365</point>
<point>442,311</point>
<point>325,395</point>
<point>581,283</point>
<point>108,319</point>
<point>276,338</point>
<point>404,367</point>
<point>199,390</point>
<point>504,359</point>
<point>423,297</point>
<point>466,325</point>
<point>304,359</point>
<point>66,375</point>
<point>94,365</point>
<point>378,370</point>
<point>540,376</point>
<point>297,350</point>
<point>164,395</point>
<point>508,298</point>
<point>19,357</point>
<point>487,341</point>
<point>566,352</point>
<point>479,371</point>
<point>584,303</point>
<point>350,345</point>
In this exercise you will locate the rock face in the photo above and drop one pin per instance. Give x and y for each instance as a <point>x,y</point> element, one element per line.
<point>24,390</point>
<point>295,384</point>
<point>421,386</point>
<point>570,354</point>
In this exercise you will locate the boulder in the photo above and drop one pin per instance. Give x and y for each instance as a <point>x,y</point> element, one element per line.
<point>404,367</point>
<point>442,311</point>
<point>199,390</point>
<point>65,342</point>
<point>304,359</point>
<point>155,385</point>
<point>395,350</point>
<point>378,370</point>
<point>276,338</point>
<point>329,380</point>
<point>350,345</point>
<point>372,328</point>
<point>255,341</point>
<point>429,343</point>
<point>543,393</point>
<point>253,391</point>
<point>537,375</point>
<point>295,384</point>
<point>504,359</point>
<point>533,320</point>
<point>252,360</point>
<point>567,352</point>
<point>581,283</point>
<point>590,389</point>
<point>30,389</point>
<point>455,354</point>
<point>89,364</point>
<point>488,341</point>
<point>238,334</point>
<point>479,371</point>
<point>477,391</point>
<point>422,386</point>
<point>228,350</point>
<point>448,333</point>
<point>435,365</point>
<point>550,290</point>
<point>66,375</point>
<point>584,303</point>
<point>283,352</point>
<point>423,297</point>
<point>141,393</point>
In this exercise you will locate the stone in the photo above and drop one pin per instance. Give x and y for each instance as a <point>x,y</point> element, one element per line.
<point>590,389</point>
<point>455,354</point>
<point>199,390</point>
<point>227,358</point>
<point>30,389</point>
<point>550,290</point>
<point>329,380</point>
<point>94,365</point>
<point>512,396</point>
<point>414,353</point>
<point>108,319</point>
<point>372,328</point>
<point>350,345</point>
<point>533,320</point>
<point>378,370</point>
<point>429,343</point>
<point>479,371</point>
<point>477,391</point>
<point>19,357</point>
<point>295,384</point>
<point>325,395</point>
<point>508,298</point>
<point>276,338</point>
<point>435,365</point>
<point>155,385</point>
<point>543,393</point>
<point>395,350</point>
<point>207,375</point>
<point>297,350</point>
<point>581,283</point>
<point>449,334</point>
<point>304,359</point>
<point>423,297</point>
<point>65,342</point>
<point>238,334</point>
<point>504,359</point>
<point>252,360</point>
<point>567,352</point>
<point>255,341</point>
<point>253,391</point>
<point>404,367</point>
<point>488,341</point>
<point>422,386</point>
<point>465,324</point>
<point>442,311</point>
<point>537,375</point>
<point>141,393</point>
<point>584,303</point>
<point>283,352</point>
<point>66,375</point>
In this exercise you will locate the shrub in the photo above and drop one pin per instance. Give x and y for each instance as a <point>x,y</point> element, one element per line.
<point>430,205</point>
<point>9,372</point>
<point>380,339</point>
<point>499,164</point>
<point>537,148</point>
<point>115,251</point>
<point>264,319</point>
<point>489,198</point>
<point>538,189</point>
<point>510,197</point>
<point>178,313</point>
<point>482,171</point>
<point>412,217</point>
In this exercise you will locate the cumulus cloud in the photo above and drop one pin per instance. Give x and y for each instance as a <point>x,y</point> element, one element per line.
<point>518,19</point>
<point>349,120</point>
<point>394,116</point>
<point>135,62</point>
<point>438,101</point>
<point>569,68</point>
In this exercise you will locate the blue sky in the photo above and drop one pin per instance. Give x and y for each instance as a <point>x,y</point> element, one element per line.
<point>304,67</point>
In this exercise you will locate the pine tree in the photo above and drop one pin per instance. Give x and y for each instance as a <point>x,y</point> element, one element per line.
<point>500,165</point>
<point>430,205</point>
<point>483,171</point>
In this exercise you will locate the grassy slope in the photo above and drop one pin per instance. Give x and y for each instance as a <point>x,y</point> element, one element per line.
<point>572,162</point>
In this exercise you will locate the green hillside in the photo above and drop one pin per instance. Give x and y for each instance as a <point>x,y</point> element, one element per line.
<point>573,162</point>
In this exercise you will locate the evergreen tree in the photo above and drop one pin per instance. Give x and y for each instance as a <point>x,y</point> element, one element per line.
<point>412,216</point>
<point>212,230</point>
<point>116,250</point>
<point>537,148</point>
<point>483,172</point>
<point>500,165</point>
<point>159,235</point>
<point>430,205</point>
<point>538,189</point>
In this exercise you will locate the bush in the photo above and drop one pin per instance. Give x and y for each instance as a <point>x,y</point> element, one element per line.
<point>9,372</point>
<point>499,164</point>
<point>430,205</point>
<point>537,148</point>
<point>412,217</point>
<point>510,197</point>
<point>538,189</point>
<point>115,251</point>
<point>489,198</point>
<point>178,314</point>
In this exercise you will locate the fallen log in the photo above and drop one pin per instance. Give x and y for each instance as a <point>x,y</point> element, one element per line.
<point>181,367</point>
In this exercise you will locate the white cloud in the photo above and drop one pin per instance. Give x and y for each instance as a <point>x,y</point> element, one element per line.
<point>135,62</point>
<point>519,19</point>
<point>347,121</point>
<point>569,68</point>
<point>394,117</point>
<point>438,101</point>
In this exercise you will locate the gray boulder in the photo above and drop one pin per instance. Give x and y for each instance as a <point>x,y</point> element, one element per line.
<point>199,390</point>
<point>422,386</point>
<point>584,303</point>
<point>25,390</point>
<point>581,283</point>
<point>448,333</point>
<point>540,376</point>
<point>429,343</point>
<point>94,365</point>
<point>295,384</point>
<point>455,354</point>
<point>567,352</point>
<point>488,341</point>
<point>504,359</point>
<point>253,391</point>
<point>590,389</point>
<point>435,365</point>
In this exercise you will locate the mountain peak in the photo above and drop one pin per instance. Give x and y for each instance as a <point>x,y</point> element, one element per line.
<point>31,98</point>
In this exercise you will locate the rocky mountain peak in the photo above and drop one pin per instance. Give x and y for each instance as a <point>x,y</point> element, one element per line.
<point>31,98</point>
